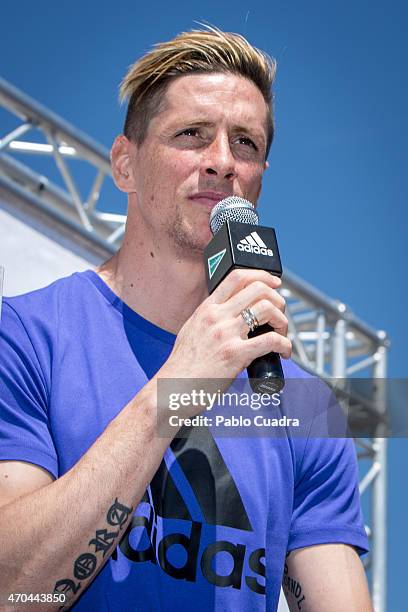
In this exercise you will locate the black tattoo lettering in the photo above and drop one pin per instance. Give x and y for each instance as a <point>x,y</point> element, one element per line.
<point>103,540</point>
<point>118,514</point>
<point>84,566</point>
<point>292,587</point>
<point>68,588</point>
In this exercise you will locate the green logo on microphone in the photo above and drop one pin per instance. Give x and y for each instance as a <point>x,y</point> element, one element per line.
<point>214,261</point>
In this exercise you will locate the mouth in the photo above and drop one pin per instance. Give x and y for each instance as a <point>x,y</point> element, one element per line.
<point>208,199</point>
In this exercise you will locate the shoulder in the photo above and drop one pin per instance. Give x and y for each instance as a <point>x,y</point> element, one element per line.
<point>292,369</point>
<point>40,309</point>
<point>322,434</point>
<point>41,300</point>
<point>30,322</point>
<point>305,397</point>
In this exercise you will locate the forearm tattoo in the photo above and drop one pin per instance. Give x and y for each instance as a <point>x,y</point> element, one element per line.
<point>292,588</point>
<point>86,564</point>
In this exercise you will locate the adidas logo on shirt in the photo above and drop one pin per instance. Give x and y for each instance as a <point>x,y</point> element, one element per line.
<point>253,243</point>
<point>207,497</point>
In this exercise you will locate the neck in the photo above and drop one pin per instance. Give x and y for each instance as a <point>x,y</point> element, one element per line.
<point>163,287</point>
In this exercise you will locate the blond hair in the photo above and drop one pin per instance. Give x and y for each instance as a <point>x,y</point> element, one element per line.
<point>197,51</point>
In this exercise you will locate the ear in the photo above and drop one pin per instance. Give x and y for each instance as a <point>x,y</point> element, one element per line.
<point>121,163</point>
<point>266,165</point>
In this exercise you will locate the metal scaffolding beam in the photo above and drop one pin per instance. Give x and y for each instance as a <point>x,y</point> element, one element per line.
<point>54,137</point>
<point>328,339</point>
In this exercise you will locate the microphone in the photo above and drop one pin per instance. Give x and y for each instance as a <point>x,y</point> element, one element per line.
<point>240,242</point>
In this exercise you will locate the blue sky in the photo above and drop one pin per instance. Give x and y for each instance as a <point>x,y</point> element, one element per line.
<point>335,191</point>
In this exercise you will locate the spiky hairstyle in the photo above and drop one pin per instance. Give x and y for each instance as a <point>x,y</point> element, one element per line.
<point>197,51</point>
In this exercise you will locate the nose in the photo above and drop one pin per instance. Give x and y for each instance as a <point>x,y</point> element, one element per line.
<point>218,159</point>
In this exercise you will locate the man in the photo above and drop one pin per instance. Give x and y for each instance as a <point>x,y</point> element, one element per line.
<point>202,523</point>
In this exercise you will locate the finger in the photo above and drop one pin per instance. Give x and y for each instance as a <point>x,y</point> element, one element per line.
<point>252,294</point>
<point>266,343</point>
<point>265,312</point>
<point>240,278</point>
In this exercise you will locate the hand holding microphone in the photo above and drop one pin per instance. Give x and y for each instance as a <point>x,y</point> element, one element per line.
<point>239,242</point>
<point>214,343</point>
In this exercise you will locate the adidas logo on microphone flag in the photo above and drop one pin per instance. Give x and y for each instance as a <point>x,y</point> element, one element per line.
<point>253,243</point>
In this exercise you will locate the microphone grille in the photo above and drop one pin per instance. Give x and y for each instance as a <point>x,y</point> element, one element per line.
<point>232,208</point>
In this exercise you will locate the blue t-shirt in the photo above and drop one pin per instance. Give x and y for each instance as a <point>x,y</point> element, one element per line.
<point>215,524</point>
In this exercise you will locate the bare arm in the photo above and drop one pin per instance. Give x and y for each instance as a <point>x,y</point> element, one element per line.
<point>58,536</point>
<point>326,577</point>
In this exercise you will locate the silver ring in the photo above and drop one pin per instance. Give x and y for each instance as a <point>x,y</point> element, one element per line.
<point>250,319</point>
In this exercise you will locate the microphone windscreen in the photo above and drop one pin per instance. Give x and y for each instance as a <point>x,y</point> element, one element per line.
<point>232,208</point>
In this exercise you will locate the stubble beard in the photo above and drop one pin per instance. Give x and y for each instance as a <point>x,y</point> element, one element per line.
<point>186,238</point>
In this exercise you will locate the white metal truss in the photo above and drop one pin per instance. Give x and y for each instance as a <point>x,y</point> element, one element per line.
<point>328,339</point>
<point>54,137</point>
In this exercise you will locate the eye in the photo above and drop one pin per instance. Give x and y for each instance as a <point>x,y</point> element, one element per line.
<point>247,141</point>
<point>188,132</point>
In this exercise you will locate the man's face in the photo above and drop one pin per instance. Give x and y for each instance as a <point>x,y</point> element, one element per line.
<point>208,143</point>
